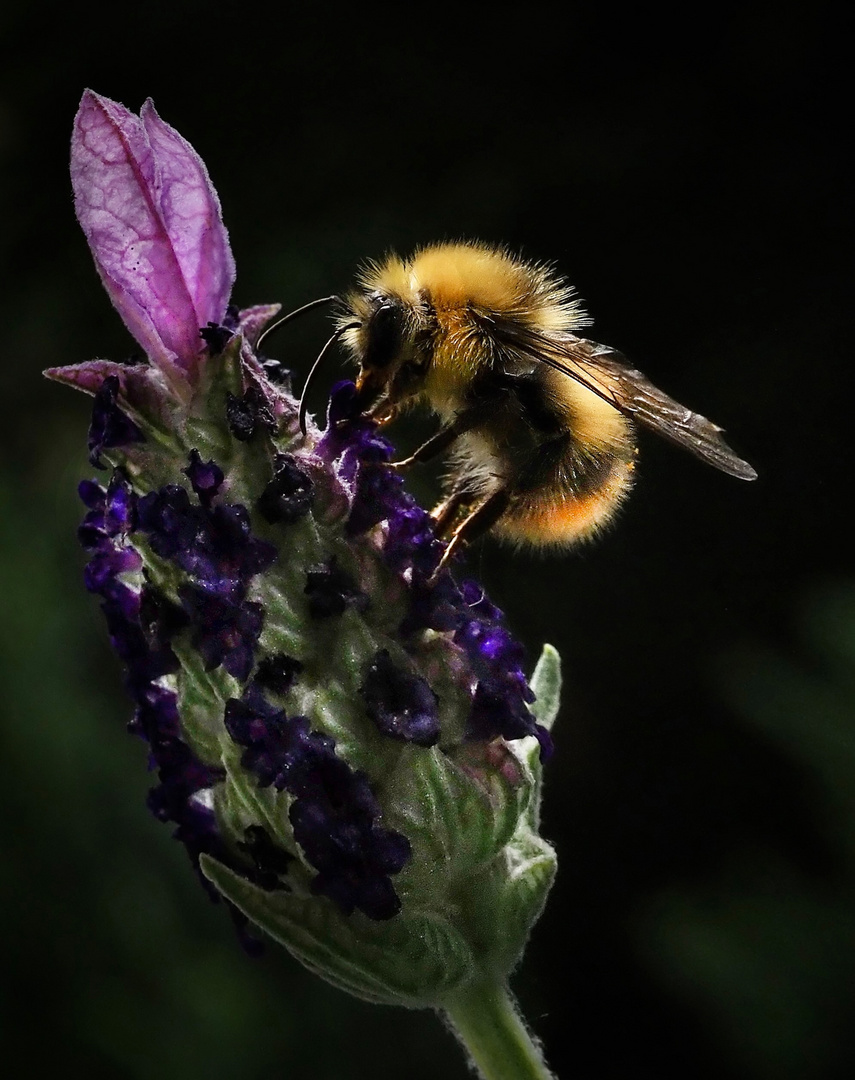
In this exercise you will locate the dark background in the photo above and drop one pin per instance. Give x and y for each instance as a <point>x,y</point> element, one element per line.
<point>687,174</point>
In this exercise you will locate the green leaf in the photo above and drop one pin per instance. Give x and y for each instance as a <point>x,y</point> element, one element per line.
<point>414,960</point>
<point>546,684</point>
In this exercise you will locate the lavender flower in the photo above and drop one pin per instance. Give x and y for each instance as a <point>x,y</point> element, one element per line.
<point>345,740</point>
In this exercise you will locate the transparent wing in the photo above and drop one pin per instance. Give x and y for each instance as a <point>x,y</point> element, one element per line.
<point>607,373</point>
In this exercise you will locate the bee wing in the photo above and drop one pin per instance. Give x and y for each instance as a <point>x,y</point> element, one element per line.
<point>607,373</point>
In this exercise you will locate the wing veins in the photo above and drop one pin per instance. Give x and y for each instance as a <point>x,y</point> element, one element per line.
<point>631,393</point>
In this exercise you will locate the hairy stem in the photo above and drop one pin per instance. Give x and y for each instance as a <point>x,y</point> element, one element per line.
<point>485,1019</point>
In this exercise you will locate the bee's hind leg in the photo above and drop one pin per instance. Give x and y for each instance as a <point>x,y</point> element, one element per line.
<point>445,513</point>
<point>482,518</point>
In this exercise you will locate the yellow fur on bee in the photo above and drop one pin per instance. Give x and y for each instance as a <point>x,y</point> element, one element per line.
<point>467,275</point>
<point>594,422</point>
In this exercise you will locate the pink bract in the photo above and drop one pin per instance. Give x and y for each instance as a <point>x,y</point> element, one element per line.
<point>153,221</point>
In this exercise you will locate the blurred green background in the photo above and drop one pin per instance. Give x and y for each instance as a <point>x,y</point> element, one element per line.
<point>687,173</point>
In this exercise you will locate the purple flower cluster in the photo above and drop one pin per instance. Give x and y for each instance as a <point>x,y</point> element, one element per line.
<point>215,548</point>
<point>334,813</point>
<point>500,692</point>
<point>248,414</point>
<point>141,623</point>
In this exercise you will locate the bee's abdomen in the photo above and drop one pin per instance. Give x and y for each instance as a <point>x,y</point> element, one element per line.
<point>567,492</point>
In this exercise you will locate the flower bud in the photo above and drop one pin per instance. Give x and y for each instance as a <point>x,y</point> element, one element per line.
<point>344,736</point>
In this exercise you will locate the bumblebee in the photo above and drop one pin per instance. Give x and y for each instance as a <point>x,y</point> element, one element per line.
<point>539,423</point>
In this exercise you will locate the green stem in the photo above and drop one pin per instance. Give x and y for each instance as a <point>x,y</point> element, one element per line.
<point>485,1019</point>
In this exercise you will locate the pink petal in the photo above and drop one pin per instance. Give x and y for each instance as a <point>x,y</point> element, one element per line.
<point>193,218</point>
<point>89,375</point>
<point>152,225</point>
<point>252,320</point>
<point>141,386</point>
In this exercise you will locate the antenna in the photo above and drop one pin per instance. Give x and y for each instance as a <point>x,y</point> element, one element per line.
<point>303,403</point>
<point>293,315</point>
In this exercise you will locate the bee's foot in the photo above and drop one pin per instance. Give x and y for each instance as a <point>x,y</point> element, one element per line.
<point>404,463</point>
<point>454,544</point>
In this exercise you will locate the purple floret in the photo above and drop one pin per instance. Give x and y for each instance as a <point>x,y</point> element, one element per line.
<point>105,566</point>
<point>169,519</point>
<point>498,710</point>
<point>110,427</point>
<point>411,542</point>
<point>289,495</point>
<point>227,551</point>
<point>335,823</point>
<point>350,440</point>
<point>400,703</point>
<point>224,631</point>
<point>110,514</point>
<point>377,497</point>
<point>499,706</point>
<point>331,590</point>
<point>274,743</point>
<point>206,477</point>
<point>277,673</point>
<point>432,606</point>
<point>248,414</point>
<point>354,858</point>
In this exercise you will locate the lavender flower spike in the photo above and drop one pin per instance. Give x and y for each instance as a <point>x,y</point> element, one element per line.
<point>344,736</point>
<point>153,222</point>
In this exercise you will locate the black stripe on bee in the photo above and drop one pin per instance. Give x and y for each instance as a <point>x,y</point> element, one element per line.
<point>563,463</point>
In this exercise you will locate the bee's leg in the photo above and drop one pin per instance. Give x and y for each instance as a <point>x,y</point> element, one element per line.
<point>434,445</point>
<point>444,513</point>
<point>381,412</point>
<point>482,518</point>
<point>463,422</point>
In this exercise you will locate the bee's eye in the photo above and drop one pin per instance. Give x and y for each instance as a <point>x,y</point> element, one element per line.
<point>385,334</point>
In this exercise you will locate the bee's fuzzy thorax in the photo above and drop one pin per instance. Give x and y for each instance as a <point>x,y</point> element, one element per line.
<point>453,294</point>
<point>472,275</point>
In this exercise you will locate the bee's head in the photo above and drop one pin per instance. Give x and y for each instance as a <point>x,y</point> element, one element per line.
<point>384,338</point>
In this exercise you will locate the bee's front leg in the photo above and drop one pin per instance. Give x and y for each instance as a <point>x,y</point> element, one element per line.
<point>382,412</point>
<point>434,445</point>
<point>463,422</point>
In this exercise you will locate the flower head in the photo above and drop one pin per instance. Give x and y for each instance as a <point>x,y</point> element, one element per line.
<point>344,736</point>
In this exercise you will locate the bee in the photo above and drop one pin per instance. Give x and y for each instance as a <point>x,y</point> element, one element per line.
<point>538,422</point>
